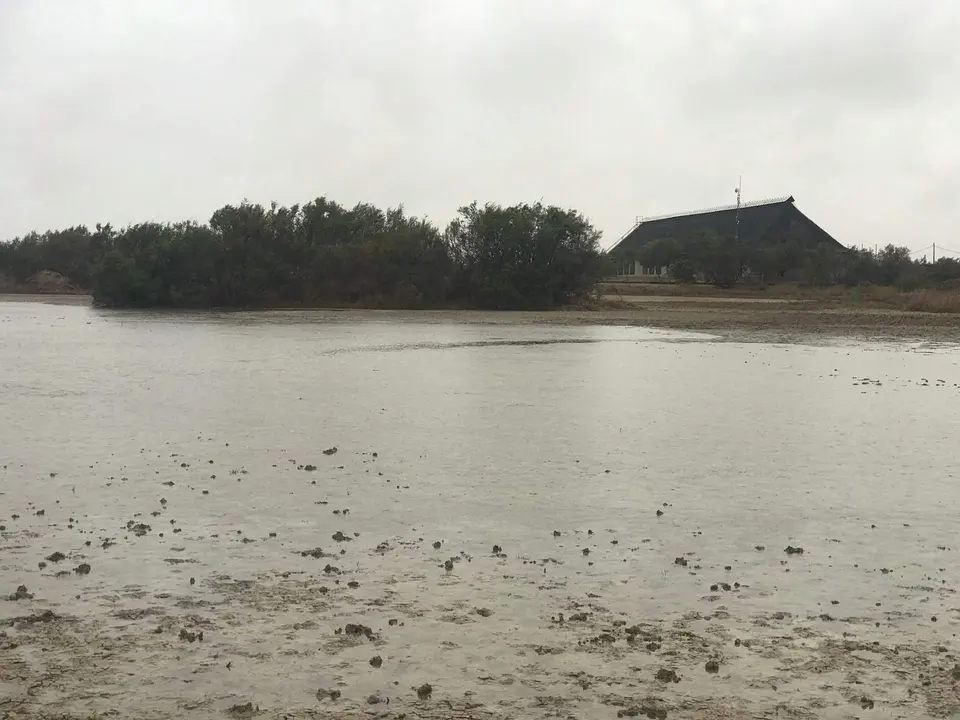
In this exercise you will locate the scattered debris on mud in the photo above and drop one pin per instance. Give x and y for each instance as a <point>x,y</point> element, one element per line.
<point>632,618</point>
<point>21,594</point>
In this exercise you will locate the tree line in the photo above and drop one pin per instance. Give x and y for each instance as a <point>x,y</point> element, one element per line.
<point>725,262</point>
<point>494,257</point>
<point>322,253</point>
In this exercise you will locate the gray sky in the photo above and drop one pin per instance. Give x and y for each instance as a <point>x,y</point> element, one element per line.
<point>127,110</point>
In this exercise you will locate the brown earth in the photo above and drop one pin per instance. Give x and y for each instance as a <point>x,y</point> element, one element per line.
<point>768,319</point>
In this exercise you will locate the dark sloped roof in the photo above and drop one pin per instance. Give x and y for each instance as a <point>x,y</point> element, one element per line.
<point>758,220</point>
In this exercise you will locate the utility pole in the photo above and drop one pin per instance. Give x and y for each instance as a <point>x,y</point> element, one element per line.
<point>934,252</point>
<point>736,222</point>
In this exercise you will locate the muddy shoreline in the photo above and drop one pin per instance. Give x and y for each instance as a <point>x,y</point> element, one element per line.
<point>733,318</point>
<point>361,626</point>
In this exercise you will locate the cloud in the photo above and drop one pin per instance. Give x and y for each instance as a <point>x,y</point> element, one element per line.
<point>123,110</point>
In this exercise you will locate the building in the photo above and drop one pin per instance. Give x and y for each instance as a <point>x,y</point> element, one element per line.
<point>760,223</point>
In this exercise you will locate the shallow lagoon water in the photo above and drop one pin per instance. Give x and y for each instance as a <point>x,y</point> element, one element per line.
<point>472,432</point>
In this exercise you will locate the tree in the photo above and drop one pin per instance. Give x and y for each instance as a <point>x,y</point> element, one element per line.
<point>683,269</point>
<point>660,253</point>
<point>721,259</point>
<point>892,262</point>
<point>822,266</point>
<point>523,256</point>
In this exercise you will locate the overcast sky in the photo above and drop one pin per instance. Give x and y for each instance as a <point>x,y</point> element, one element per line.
<point>128,110</point>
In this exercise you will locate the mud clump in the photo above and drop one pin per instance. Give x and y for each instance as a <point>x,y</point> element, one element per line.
<point>666,675</point>
<point>681,561</point>
<point>138,529</point>
<point>56,557</point>
<point>712,667</point>
<point>647,710</point>
<point>376,661</point>
<point>340,537</point>
<point>323,694</point>
<point>246,710</point>
<point>484,612</point>
<point>601,639</point>
<point>21,594</point>
<point>791,550</point>
<point>448,565</point>
<point>497,550</point>
<point>316,553</point>
<point>42,617</point>
<point>358,630</point>
<point>424,691</point>
<point>191,637</point>
<point>637,633</point>
<point>82,569</point>
<point>310,468</point>
<point>436,545</point>
<point>330,451</point>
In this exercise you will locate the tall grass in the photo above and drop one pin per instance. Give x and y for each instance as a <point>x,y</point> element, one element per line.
<point>933,301</point>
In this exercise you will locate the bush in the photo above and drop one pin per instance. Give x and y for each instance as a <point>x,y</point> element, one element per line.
<point>683,270</point>
<point>522,256</point>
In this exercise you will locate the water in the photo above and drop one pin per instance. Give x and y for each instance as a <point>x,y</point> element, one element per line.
<point>472,431</point>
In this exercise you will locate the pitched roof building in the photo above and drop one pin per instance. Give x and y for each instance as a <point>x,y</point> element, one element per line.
<point>766,221</point>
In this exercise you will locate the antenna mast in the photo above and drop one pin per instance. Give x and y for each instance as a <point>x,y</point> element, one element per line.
<point>736,225</point>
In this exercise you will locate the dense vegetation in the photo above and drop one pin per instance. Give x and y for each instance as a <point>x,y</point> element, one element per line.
<point>524,256</point>
<point>321,253</point>
<point>724,262</point>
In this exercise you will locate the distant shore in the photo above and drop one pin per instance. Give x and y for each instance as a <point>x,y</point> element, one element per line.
<point>733,318</point>
<point>49,298</point>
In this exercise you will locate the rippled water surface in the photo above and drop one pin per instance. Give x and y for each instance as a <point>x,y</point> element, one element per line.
<point>641,486</point>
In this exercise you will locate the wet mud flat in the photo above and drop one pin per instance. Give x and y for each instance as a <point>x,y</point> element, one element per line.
<point>146,586</point>
<point>731,318</point>
<point>777,320</point>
